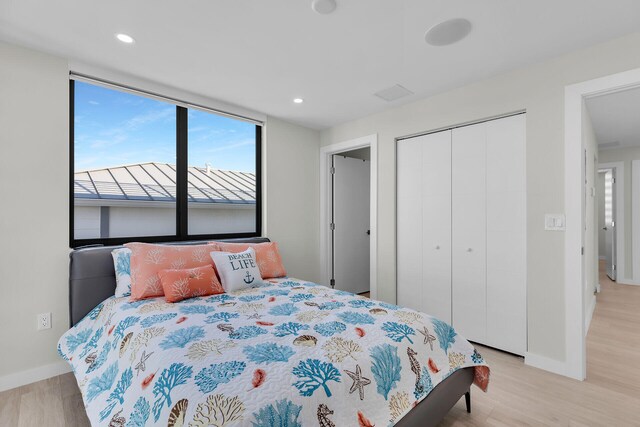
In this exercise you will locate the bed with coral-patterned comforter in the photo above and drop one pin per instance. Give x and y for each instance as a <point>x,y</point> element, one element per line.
<point>288,353</point>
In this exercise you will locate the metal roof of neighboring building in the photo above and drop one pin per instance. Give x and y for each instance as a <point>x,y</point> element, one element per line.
<point>156,182</point>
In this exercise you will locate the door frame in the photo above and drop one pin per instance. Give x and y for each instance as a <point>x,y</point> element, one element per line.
<point>621,276</point>
<point>574,174</point>
<point>326,152</point>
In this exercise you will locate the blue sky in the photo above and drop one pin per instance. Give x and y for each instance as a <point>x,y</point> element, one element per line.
<point>115,128</point>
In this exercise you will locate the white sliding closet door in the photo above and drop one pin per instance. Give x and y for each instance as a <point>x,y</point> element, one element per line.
<point>409,223</point>
<point>469,238</point>
<point>424,224</point>
<point>506,234</point>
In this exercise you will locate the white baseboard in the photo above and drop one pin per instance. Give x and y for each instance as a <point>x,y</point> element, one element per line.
<point>29,376</point>
<point>589,314</point>
<point>545,363</point>
<point>602,258</point>
<point>628,282</point>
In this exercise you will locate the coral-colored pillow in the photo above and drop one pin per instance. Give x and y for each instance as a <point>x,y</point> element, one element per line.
<point>148,259</point>
<point>267,256</point>
<point>189,283</point>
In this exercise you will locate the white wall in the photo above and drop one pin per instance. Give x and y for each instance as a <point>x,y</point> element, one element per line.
<point>293,199</point>
<point>125,222</point>
<point>156,221</point>
<point>34,188</point>
<point>209,220</point>
<point>86,222</point>
<point>34,220</point>
<point>540,90</point>
<point>626,155</point>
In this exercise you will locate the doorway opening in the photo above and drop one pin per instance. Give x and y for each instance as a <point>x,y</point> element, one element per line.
<point>350,228</point>
<point>606,196</point>
<point>611,120</point>
<point>602,202</point>
<point>348,201</point>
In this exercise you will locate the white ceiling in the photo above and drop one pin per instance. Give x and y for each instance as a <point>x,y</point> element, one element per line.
<point>260,54</point>
<point>615,118</point>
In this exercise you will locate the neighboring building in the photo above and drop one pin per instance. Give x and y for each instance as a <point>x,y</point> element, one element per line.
<point>139,200</point>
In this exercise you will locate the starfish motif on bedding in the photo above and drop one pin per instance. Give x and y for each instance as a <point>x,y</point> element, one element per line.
<point>428,338</point>
<point>358,381</point>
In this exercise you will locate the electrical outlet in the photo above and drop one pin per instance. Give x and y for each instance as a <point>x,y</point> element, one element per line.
<point>44,321</point>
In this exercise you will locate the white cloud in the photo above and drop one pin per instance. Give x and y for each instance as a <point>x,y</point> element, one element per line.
<point>149,117</point>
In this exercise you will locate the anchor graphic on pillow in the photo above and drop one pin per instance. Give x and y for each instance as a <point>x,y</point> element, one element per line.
<point>249,278</point>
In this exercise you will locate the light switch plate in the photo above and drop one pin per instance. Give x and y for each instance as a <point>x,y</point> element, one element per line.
<point>554,222</point>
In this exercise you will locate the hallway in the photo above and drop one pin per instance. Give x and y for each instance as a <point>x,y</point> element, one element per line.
<point>613,342</point>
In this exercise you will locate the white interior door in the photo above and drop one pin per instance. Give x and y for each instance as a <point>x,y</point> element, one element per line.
<point>469,228</point>
<point>610,223</point>
<point>351,218</point>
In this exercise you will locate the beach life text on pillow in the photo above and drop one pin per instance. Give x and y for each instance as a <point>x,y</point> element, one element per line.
<point>237,270</point>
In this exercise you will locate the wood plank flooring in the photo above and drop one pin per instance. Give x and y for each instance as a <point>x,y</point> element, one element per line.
<point>523,396</point>
<point>518,395</point>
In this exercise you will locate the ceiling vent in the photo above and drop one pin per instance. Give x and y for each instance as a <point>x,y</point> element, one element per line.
<point>393,93</point>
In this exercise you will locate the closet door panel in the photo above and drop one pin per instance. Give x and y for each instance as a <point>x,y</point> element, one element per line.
<point>506,235</point>
<point>469,231</point>
<point>506,312</point>
<point>506,156</point>
<point>469,267</point>
<point>436,220</point>
<point>409,223</point>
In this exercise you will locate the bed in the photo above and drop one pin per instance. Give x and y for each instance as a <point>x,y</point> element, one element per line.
<point>289,353</point>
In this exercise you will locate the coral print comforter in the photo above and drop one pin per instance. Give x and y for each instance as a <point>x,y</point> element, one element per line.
<point>290,353</point>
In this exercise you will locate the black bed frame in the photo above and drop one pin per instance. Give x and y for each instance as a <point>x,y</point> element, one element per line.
<point>92,280</point>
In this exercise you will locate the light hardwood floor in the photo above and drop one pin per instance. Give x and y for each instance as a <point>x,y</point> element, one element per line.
<point>523,396</point>
<point>518,395</point>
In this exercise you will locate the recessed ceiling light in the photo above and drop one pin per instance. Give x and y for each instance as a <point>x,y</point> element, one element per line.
<point>125,38</point>
<point>448,32</point>
<point>324,6</point>
<point>298,100</point>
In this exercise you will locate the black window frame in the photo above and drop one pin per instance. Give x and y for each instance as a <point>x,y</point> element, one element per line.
<point>182,203</point>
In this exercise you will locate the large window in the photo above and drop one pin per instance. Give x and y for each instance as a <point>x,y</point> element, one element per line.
<point>146,169</point>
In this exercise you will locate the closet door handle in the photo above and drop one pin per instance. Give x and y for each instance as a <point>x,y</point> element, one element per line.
<point>469,250</point>
<point>437,247</point>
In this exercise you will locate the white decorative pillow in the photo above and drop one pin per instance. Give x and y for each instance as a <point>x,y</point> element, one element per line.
<point>122,265</point>
<point>237,270</point>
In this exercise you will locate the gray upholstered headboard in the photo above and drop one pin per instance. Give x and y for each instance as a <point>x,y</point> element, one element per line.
<point>92,277</point>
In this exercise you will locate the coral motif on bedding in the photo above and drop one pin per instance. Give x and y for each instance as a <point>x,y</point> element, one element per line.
<point>122,266</point>
<point>287,353</point>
